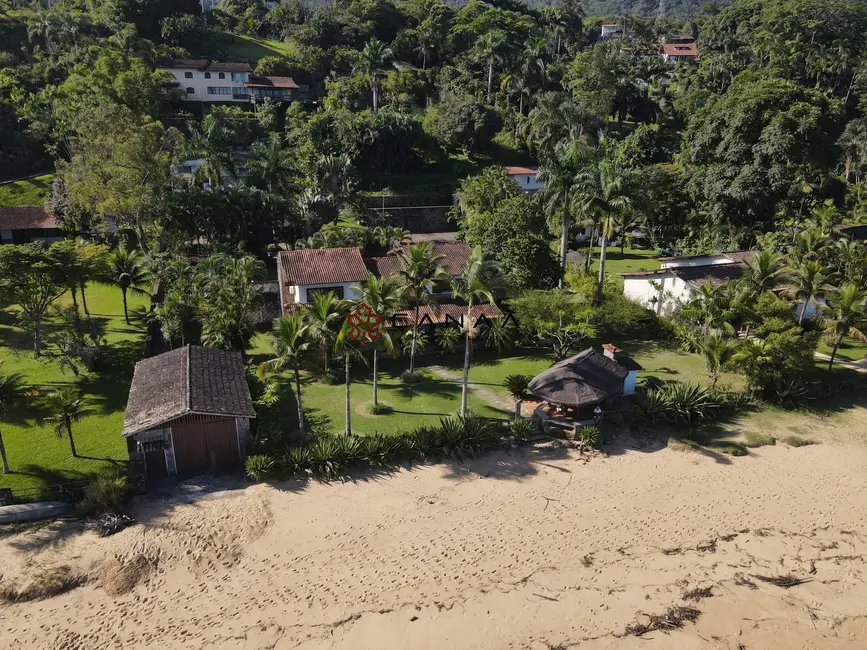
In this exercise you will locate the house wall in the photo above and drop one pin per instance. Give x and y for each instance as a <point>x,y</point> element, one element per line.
<point>242,425</point>
<point>200,84</point>
<point>814,308</point>
<point>630,382</point>
<point>527,182</point>
<point>661,300</point>
<point>166,435</point>
<point>351,291</point>
<point>705,260</point>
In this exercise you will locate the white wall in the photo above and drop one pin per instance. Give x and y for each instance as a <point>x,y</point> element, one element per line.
<point>527,182</point>
<point>351,291</point>
<point>705,260</point>
<point>199,83</point>
<point>662,300</point>
<point>629,383</point>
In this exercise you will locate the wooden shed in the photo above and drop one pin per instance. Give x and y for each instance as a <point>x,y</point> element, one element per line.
<point>189,412</point>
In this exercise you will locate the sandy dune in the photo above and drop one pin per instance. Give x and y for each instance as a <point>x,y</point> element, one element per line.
<point>532,549</point>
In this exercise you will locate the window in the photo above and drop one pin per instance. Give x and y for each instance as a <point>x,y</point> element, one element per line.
<point>338,291</point>
<point>188,75</point>
<point>207,75</point>
<point>219,90</point>
<point>528,180</point>
<point>239,77</point>
<point>191,90</point>
<point>222,75</point>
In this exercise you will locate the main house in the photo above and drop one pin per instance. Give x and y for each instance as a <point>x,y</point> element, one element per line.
<point>302,273</point>
<point>25,225</point>
<point>679,278</point>
<point>680,47</point>
<point>526,178</point>
<point>204,80</point>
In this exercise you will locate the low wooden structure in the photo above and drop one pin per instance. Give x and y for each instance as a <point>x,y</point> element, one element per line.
<point>189,412</point>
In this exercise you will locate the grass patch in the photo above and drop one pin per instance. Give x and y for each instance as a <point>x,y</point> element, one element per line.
<point>26,193</point>
<point>798,441</point>
<point>36,456</point>
<point>251,47</point>
<point>729,447</point>
<point>379,409</point>
<point>753,439</point>
<point>849,350</point>
<point>45,584</point>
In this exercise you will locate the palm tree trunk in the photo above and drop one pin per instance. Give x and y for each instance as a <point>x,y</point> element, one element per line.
<point>375,377</point>
<point>84,300</point>
<point>298,400</point>
<point>602,253</point>
<point>803,310</point>
<point>837,343</point>
<point>77,314</point>
<point>348,429</point>
<point>490,78</point>
<point>564,246</point>
<point>3,456</point>
<point>375,98</point>
<point>466,380</point>
<point>521,103</point>
<point>125,308</point>
<point>412,347</point>
<point>71,439</point>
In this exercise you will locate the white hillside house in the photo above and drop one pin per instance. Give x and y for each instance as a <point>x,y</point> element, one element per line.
<point>525,177</point>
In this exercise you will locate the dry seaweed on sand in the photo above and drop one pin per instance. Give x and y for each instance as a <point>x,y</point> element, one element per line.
<point>698,593</point>
<point>786,581</point>
<point>674,618</point>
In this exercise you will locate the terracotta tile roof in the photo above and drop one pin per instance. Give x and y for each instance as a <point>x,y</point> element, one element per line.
<point>680,49</point>
<point>228,66</point>
<point>270,82</point>
<point>455,253</point>
<point>194,64</point>
<point>449,312</point>
<point>322,266</point>
<point>25,219</point>
<point>192,379</point>
<point>384,266</point>
<point>205,64</point>
<point>517,171</point>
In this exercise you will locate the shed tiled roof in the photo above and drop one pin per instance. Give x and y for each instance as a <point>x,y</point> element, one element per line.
<point>455,255</point>
<point>680,49</point>
<point>385,265</point>
<point>228,66</point>
<point>192,379</point>
<point>322,266</point>
<point>25,219</point>
<point>270,82</point>
<point>585,379</point>
<point>716,274</point>
<point>206,64</point>
<point>517,171</point>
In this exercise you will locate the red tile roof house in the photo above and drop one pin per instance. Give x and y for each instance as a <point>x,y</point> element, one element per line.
<point>204,80</point>
<point>24,225</point>
<point>526,178</point>
<point>304,272</point>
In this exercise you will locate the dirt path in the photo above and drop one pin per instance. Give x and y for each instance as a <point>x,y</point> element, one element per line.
<point>857,366</point>
<point>482,393</point>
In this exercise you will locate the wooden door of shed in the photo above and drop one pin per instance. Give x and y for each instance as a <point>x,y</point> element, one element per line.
<point>195,440</point>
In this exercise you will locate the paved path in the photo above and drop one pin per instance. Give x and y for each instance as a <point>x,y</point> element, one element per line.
<point>857,366</point>
<point>482,393</point>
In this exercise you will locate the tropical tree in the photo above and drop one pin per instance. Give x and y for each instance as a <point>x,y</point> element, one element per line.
<point>481,279</point>
<point>807,283</point>
<point>846,314</point>
<point>717,351</point>
<point>383,296</point>
<point>12,391</point>
<point>66,407</point>
<point>421,272</point>
<point>372,59</point>
<point>516,387</point>
<point>126,270</point>
<point>349,348</point>
<point>710,309</point>
<point>325,320</point>
<point>764,272</point>
<point>853,143</point>
<point>210,141</point>
<point>272,165</point>
<point>489,48</point>
<point>291,342</point>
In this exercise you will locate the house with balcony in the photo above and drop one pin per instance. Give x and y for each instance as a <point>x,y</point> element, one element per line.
<point>680,47</point>
<point>526,178</point>
<point>204,80</point>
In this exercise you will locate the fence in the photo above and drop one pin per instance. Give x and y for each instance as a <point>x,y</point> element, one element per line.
<point>71,491</point>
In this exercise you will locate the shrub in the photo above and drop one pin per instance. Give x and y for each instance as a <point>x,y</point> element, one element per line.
<point>516,386</point>
<point>379,409</point>
<point>588,436</point>
<point>685,404</point>
<point>789,392</point>
<point>448,338</point>
<point>522,429</point>
<point>107,493</point>
<point>258,467</point>
<point>798,441</point>
<point>753,439</point>
<point>412,377</point>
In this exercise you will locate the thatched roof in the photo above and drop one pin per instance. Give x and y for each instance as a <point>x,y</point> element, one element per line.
<point>585,379</point>
<point>189,380</point>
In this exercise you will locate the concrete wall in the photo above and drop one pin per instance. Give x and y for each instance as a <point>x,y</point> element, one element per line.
<point>661,300</point>
<point>351,291</point>
<point>527,182</point>
<point>200,83</point>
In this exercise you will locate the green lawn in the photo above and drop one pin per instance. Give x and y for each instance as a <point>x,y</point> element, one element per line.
<point>627,262</point>
<point>250,47</point>
<point>27,193</point>
<point>36,455</point>
<point>849,350</point>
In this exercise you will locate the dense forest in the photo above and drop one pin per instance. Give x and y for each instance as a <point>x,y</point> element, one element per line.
<point>765,130</point>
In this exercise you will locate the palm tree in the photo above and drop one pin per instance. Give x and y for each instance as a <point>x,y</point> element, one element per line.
<point>481,278</point>
<point>272,164</point>
<point>127,271</point>
<point>716,351</point>
<point>12,391</point>
<point>421,271</point>
<point>291,342</point>
<point>752,356</point>
<point>372,60</point>
<point>611,203</point>
<point>489,49</point>
<point>383,296</point>
<point>424,46</point>
<point>66,406</point>
<point>349,348</point>
<point>764,272</point>
<point>325,318</point>
<point>711,308</point>
<point>808,280</point>
<point>516,386</point>
<point>853,142</point>
<point>847,314</point>
<point>211,142</point>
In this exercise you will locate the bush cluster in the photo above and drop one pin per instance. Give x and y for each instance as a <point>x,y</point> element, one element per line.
<point>108,493</point>
<point>685,404</point>
<point>329,457</point>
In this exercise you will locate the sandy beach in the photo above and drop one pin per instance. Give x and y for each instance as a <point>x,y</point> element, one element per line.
<point>532,548</point>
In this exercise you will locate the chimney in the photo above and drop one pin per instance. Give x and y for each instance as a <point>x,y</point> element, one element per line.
<point>609,349</point>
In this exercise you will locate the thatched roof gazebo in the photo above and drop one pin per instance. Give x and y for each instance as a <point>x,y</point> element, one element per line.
<point>580,381</point>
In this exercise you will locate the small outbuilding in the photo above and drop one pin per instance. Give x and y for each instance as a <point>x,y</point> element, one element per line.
<point>189,412</point>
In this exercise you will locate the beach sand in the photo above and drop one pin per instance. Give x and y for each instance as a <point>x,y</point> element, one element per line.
<point>535,547</point>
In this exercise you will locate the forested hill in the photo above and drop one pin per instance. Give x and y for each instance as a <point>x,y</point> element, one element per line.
<point>670,8</point>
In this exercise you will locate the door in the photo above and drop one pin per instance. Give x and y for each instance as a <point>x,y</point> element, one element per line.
<point>156,463</point>
<point>203,446</point>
